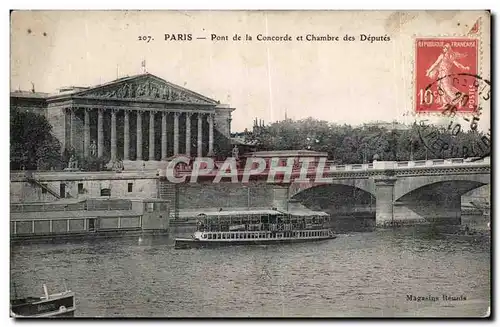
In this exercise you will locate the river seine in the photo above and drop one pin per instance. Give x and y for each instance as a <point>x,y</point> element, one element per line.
<point>383,273</point>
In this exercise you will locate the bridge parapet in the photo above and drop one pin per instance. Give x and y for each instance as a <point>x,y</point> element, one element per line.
<point>327,167</point>
<point>324,167</point>
<point>411,164</point>
<point>431,163</point>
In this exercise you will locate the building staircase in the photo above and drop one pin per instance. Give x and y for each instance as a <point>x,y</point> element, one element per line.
<point>170,191</point>
<point>45,187</point>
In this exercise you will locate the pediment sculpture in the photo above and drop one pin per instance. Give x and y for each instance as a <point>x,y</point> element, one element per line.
<point>147,90</point>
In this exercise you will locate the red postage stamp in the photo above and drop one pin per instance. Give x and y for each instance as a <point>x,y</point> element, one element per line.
<point>445,71</point>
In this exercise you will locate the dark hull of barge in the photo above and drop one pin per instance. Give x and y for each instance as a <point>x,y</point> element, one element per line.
<point>85,236</point>
<point>188,243</point>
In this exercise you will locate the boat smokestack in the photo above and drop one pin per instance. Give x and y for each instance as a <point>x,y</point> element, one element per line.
<point>45,291</point>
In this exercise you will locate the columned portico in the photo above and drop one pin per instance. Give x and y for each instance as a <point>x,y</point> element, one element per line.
<point>93,119</point>
<point>113,114</point>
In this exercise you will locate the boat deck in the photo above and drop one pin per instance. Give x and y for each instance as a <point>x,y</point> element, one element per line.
<point>217,239</point>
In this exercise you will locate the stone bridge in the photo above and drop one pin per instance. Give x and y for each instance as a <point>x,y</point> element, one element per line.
<point>428,190</point>
<point>412,190</point>
<point>425,190</point>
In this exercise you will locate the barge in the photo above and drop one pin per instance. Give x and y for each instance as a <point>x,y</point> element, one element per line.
<point>257,227</point>
<point>90,218</point>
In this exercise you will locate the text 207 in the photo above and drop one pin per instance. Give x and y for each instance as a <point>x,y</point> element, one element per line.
<point>145,38</point>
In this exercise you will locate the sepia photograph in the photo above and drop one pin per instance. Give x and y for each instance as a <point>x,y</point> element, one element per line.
<point>250,164</point>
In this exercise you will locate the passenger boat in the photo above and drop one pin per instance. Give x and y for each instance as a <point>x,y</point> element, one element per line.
<point>257,227</point>
<point>50,305</point>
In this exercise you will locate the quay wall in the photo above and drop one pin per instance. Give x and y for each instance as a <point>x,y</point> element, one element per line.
<point>140,184</point>
<point>82,185</point>
<point>225,195</point>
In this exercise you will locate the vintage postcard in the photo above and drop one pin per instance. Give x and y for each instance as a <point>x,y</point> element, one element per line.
<point>250,164</point>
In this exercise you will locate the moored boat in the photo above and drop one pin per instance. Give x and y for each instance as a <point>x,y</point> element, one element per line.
<point>50,305</point>
<point>256,227</point>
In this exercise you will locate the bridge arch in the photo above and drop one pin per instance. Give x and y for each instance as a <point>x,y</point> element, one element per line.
<point>438,202</point>
<point>361,184</point>
<point>339,200</point>
<point>406,187</point>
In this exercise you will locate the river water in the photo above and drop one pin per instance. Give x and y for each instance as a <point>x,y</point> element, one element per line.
<point>367,274</point>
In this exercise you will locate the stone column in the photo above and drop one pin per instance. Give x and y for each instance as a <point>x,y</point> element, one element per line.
<point>139,135</point>
<point>86,131</point>
<point>113,135</point>
<point>384,193</point>
<point>152,135</point>
<point>188,134</point>
<point>100,133</point>
<point>210,134</point>
<point>164,136</point>
<point>72,128</point>
<point>126,136</point>
<point>199,141</point>
<point>176,133</point>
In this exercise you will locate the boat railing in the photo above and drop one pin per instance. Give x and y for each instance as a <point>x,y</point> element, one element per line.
<point>260,227</point>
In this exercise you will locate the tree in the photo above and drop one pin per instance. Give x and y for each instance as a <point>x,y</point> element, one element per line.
<point>351,145</point>
<point>32,144</point>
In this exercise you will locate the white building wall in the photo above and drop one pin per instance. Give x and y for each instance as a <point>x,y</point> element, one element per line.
<point>22,191</point>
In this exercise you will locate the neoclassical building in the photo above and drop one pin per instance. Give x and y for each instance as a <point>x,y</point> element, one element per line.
<point>135,118</point>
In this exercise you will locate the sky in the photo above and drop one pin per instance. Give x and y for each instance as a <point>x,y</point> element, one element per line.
<point>337,81</point>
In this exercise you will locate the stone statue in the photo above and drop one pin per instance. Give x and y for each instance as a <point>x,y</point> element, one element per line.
<point>133,89</point>
<point>73,163</point>
<point>117,165</point>
<point>141,90</point>
<point>163,91</point>
<point>173,96</point>
<point>235,152</point>
<point>93,149</point>
<point>121,91</point>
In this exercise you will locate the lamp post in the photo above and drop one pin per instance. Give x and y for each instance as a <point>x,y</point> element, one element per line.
<point>411,150</point>
<point>248,196</point>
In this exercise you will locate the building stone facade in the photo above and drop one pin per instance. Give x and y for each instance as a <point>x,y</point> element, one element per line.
<point>136,118</point>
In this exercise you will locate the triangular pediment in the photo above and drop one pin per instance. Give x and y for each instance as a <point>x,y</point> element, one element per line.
<point>147,87</point>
